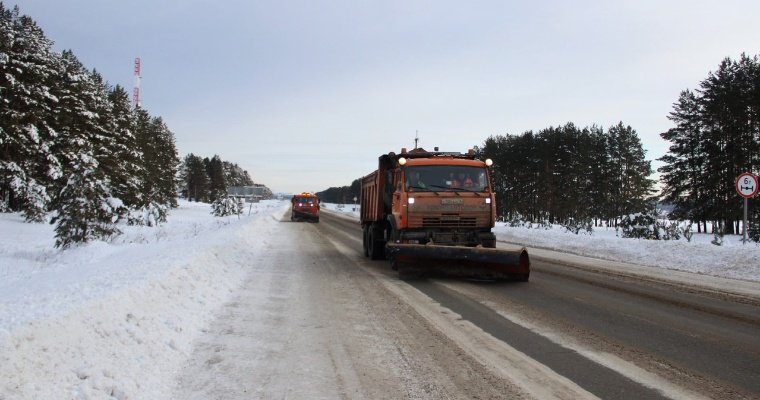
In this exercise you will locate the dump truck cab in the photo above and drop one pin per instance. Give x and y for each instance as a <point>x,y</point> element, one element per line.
<point>444,199</point>
<point>304,207</point>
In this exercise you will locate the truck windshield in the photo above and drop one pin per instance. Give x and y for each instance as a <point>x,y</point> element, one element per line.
<point>444,178</point>
<point>309,200</point>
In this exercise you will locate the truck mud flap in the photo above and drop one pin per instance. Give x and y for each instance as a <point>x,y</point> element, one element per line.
<point>476,262</point>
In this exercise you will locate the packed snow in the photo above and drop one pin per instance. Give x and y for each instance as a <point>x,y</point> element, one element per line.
<point>118,319</point>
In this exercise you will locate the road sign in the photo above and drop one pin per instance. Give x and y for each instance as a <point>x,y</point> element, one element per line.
<point>747,185</point>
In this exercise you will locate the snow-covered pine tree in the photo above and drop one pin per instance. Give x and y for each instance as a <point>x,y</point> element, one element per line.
<point>119,158</point>
<point>224,206</point>
<point>85,210</point>
<point>125,182</point>
<point>28,71</point>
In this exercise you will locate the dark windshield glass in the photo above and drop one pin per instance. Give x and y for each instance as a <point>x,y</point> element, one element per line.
<point>441,178</point>
<point>304,200</point>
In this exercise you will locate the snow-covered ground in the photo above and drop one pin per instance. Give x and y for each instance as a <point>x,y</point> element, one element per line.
<point>117,320</point>
<point>731,260</point>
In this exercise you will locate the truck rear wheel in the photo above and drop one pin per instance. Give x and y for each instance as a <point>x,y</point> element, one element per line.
<point>365,239</point>
<point>376,243</point>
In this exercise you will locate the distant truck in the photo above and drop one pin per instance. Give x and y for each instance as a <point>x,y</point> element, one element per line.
<point>433,212</point>
<point>304,207</point>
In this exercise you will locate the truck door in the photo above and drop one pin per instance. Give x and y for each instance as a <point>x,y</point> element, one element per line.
<point>398,198</point>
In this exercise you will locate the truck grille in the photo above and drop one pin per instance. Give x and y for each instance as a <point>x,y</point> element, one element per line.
<point>447,221</point>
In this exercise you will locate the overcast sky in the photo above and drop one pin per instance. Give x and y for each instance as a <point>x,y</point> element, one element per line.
<point>307,94</point>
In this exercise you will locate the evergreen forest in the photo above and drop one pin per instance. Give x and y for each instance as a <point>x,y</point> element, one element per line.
<point>565,174</point>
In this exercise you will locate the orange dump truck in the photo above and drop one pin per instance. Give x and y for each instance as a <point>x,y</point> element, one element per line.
<point>430,212</point>
<point>304,206</point>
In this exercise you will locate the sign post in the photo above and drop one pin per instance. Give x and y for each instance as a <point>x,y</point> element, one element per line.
<point>747,187</point>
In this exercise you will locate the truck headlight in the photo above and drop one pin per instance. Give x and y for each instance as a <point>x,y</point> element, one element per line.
<point>488,200</point>
<point>411,200</point>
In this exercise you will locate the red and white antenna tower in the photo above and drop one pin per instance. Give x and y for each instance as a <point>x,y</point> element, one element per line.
<point>136,91</point>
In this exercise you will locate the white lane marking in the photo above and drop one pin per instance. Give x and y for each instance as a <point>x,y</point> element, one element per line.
<point>608,360</point>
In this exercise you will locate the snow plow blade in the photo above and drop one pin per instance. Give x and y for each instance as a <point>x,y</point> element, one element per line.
<point>414,260</point>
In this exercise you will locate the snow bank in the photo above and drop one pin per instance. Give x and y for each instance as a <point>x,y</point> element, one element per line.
<point>116,320</point>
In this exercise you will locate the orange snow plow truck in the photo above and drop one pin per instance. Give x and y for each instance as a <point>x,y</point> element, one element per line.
<point>304,206</point>
<point>432,212</point>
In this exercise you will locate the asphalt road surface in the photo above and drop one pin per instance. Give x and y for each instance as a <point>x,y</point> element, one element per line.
<point>316,319</point>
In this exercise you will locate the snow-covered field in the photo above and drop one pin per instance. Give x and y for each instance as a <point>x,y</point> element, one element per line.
<point>117,320</point>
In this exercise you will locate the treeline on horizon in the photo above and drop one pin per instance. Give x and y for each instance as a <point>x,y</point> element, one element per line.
<point>207,179</point>
<point>568,173</point>
<point>74,151</point>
